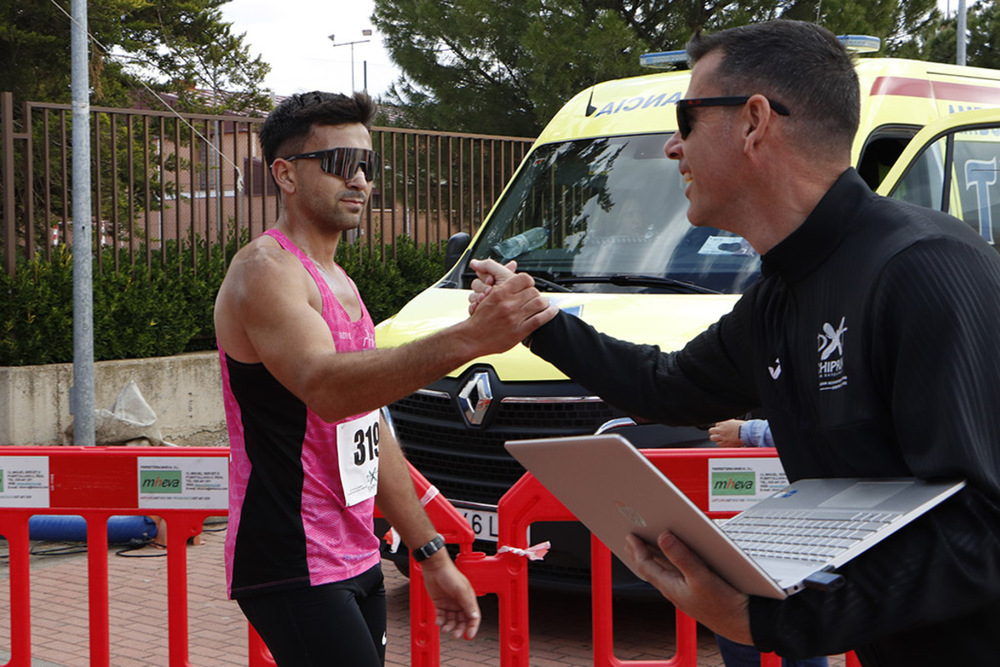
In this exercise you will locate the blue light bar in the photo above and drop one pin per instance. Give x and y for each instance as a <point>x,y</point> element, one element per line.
<point>663,59</point>
<point>670,59</point>
<point>860,43</point>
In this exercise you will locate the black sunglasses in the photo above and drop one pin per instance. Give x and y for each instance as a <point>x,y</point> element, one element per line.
<point>344,162</point>
<point>684,107</point>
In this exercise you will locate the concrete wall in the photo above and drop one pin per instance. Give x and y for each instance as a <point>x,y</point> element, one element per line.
<point>184,391</point>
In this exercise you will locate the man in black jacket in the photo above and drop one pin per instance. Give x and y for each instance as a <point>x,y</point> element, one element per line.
<point>870,342</point>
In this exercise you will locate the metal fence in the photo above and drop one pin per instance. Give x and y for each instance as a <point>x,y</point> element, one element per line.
<point>167,185</point>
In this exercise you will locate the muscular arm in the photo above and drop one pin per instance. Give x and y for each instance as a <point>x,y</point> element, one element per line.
<point>268,310</point>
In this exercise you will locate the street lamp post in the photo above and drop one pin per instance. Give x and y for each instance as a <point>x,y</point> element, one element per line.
<point>961,28</point>
<point>351,44</point>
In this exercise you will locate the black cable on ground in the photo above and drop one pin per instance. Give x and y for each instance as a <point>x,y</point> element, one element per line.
<point>135,544</point>
<point>66,549</point>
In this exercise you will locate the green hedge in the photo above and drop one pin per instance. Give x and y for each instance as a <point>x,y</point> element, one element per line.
<point>166,309</point>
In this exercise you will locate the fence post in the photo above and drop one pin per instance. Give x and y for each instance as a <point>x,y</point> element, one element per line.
<point>28,160</point>
<point>7,141</point>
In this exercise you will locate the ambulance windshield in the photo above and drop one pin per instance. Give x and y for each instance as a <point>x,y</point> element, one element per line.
<point>609,215</point>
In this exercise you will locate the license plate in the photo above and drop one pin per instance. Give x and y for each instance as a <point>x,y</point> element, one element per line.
<point>483,520</point>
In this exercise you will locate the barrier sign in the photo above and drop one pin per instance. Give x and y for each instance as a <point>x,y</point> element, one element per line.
<point>121,477</point>
<point>24,481</point>
<point>736,483</point>
<point>183,483</point>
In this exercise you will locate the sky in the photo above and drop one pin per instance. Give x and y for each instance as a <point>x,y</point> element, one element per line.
<point>293,37</point>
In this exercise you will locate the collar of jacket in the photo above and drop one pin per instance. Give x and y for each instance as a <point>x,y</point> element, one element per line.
<point>819,235</point>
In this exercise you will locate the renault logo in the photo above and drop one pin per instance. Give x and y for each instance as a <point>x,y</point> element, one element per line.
<point>475,398</point>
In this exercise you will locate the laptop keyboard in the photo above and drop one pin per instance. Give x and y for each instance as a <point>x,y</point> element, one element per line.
<point>799,536</point>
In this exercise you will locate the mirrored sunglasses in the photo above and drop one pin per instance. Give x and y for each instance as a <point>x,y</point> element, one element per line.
<point>684,120</point>
<point>344,162</point>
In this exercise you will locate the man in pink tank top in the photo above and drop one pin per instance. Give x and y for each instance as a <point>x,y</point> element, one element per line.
<point>303,383</point>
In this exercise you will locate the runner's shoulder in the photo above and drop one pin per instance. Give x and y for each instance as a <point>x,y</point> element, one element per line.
<point>263,260</point>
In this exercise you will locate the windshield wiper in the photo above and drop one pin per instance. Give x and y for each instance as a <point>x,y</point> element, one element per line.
<point>629,280</point>
<point>545,279</point>
<point>553,286</point>
<point>549,283</point>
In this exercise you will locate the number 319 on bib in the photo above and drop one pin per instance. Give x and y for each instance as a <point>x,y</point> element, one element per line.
<point>366,444</point>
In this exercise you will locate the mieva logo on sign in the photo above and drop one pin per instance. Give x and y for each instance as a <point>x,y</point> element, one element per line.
<point>160,481</point>
<point>734,483</point>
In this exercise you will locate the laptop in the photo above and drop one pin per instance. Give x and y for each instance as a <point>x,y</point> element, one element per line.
<point>794,539</point>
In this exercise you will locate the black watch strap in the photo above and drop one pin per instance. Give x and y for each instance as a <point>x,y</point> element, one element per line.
<point>429,549</point>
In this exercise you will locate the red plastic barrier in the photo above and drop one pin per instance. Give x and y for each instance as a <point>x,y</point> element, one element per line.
<point>425,637</point>
<point>528,502</point>
<point>98,483</point>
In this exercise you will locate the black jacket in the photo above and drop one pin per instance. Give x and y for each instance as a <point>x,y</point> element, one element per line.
<point>871,343</point>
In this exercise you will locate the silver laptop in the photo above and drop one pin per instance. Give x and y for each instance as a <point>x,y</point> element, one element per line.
<point>795,538</point>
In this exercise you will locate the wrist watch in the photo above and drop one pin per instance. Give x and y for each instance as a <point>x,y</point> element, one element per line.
<point>429,549</point>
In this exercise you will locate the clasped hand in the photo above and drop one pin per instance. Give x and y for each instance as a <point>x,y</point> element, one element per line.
<point>488,274</point>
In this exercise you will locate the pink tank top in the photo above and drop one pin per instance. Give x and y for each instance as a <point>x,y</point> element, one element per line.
<point>289,525</point>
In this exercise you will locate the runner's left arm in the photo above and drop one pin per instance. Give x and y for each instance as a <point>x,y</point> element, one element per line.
<point>453,596</point>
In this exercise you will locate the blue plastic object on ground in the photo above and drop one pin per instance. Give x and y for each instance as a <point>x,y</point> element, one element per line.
<point>73,528</point>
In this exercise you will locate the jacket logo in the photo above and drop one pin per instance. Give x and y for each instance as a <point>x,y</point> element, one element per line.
<point>831,341</point>
<point>830,346</point>
<point>775,370</point>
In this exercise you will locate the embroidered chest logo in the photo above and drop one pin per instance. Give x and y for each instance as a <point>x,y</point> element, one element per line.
<point>830,346</point>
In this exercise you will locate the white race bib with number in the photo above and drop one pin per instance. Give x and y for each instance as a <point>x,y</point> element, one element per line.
<point>357,455</point>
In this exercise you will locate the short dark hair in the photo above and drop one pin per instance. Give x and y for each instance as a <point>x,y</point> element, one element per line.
<point>288,125</point>
<point>802,65</point>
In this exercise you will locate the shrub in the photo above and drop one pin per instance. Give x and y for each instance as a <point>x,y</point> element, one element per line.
<point>167,308</point>
<point>37,317</point>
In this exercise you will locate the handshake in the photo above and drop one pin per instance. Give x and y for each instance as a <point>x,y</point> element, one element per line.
<point>505,306</point>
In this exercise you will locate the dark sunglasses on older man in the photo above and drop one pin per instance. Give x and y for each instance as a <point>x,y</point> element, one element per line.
<point>684,120</point>
<point>344,162</point>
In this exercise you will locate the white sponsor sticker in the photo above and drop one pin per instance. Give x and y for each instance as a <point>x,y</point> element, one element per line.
<point>173,482</point>
<point>735,484</point>
<point>24,481</point>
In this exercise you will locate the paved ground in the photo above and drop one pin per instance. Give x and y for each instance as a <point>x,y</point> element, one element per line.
<point>560,625</point>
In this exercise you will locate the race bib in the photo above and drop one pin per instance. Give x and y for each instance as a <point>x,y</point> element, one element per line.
<point>357,455</point>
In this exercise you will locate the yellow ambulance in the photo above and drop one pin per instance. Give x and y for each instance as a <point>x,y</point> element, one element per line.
<point>597,214</point>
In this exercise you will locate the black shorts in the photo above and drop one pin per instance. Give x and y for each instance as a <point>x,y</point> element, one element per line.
<point>342,623</point>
